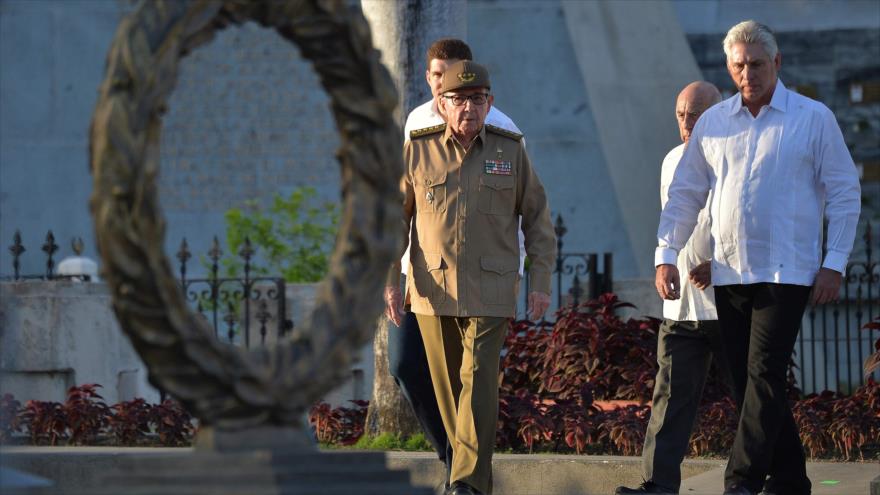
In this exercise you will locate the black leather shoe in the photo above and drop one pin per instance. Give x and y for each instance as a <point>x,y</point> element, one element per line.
<point>646,487</point>
<point>461,488</point>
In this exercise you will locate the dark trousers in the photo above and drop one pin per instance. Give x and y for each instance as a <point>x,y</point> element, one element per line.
<point>408,364</point>
<point>759,326</point>
<point>685,350</point>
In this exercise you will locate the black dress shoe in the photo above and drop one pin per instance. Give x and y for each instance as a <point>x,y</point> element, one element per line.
<point>462,488</point>
<point>646,487</point>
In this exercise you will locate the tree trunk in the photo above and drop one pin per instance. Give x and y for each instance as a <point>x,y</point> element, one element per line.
<point>389,412</point>
<point>403,30</point>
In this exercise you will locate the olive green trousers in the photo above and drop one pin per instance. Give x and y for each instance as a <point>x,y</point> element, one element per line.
<point>463,356</point>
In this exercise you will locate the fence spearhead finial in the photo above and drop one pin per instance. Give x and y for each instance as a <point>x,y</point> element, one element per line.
<point>49,247</point>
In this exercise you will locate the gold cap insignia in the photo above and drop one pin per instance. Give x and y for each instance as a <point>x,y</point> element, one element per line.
<point>467,77</point>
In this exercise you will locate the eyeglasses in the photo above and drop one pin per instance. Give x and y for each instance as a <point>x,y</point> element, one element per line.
<point>459,100</point>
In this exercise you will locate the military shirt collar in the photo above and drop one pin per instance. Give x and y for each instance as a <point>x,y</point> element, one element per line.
<point>481,136</point>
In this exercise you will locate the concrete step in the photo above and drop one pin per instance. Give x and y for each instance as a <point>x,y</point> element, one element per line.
<point>290,489</point>
<point>233,475</point>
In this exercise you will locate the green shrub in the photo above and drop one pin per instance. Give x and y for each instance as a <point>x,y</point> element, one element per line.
<point>386,441</point>
<point>417,442</point>
<point>293,237</point>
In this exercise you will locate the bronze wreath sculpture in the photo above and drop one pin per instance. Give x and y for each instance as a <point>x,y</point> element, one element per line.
<point>224,386</point>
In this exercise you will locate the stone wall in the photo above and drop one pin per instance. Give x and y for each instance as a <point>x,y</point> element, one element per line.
<point>54,335</point>
<point>247,119</point>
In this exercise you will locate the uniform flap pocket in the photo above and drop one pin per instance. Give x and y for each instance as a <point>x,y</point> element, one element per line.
<point>497,181</point>
<point>499,264</point>
<point>433,261</point>
<point>431,179</point>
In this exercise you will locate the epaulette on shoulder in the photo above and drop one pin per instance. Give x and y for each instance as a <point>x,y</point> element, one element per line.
<point>504,132</point>
<point>426,131</point>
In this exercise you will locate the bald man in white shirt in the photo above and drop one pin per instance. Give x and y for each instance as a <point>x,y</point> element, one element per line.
<point>689,337</point>
<point>774,162</point>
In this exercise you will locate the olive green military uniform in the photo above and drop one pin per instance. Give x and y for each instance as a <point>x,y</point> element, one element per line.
<point>463,208</point>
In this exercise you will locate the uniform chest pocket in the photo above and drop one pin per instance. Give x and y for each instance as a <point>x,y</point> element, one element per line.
<point>430,192</point>
<point>497,194</point>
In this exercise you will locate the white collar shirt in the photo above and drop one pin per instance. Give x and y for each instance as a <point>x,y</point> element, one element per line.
<point>427,115</point>
<point>773,177</point>
<point>694,304</point>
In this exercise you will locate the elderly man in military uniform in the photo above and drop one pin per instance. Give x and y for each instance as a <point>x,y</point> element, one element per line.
<point>465,185</point>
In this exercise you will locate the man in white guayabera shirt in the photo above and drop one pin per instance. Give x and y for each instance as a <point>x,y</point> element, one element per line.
<point>774,162</point>
<point>407,361</point>
<point>689,337</point>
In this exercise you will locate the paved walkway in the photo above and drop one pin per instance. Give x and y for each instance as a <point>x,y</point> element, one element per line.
<point>543,474</point>
<point>829,478</point>
<point>514,474</point>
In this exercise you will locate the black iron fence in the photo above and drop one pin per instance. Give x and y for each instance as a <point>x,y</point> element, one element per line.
<point>575,276</point>
<point>49,248</point>
<point>252,310</point>
<point>248,310</point>
<point>832,345</point>
<point>238,308</point>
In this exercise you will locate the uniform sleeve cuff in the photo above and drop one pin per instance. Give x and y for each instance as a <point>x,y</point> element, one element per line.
<point>835,261</point>
<point>665,256</point>
<point>539,281</point>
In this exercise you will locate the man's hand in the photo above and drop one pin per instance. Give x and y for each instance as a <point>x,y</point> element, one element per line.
<point>826,287</point>
<point>538,304</point>
<point>394,304</point>
<point>701,275</point>
<point>667,282</point>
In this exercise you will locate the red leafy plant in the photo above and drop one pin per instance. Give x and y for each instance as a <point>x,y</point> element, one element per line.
<point>340,425</point>
<point>624,429</point>
<point>550,375</point>
<point>590,343</point>
<point>855,422</point>
<point>173,424</point>
<point>85,413</point>
<point>45,422</point>
<point>715,427</point>
<point>84,419</point>
<point>812,415</point>
<point>130,422</point>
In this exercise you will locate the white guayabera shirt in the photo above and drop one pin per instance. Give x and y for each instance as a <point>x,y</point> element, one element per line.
<point>427,115</point>
<point>773,176</point>
<point>694,304</point>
